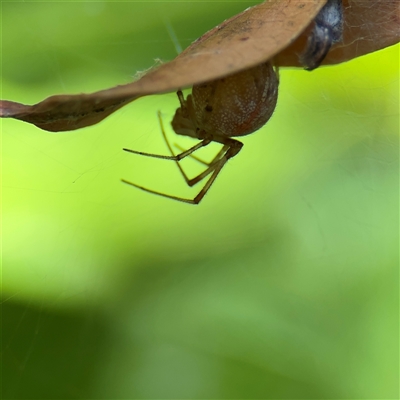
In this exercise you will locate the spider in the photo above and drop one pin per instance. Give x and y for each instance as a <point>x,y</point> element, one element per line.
<point>237,105</point>
<point>216,111</point>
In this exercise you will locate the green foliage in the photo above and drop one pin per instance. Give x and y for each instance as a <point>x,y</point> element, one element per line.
<point>283,283</point>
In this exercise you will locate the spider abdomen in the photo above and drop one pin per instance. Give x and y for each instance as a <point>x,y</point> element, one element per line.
<point>238,104</point>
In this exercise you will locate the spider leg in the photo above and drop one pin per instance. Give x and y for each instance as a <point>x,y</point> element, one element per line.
<point>216,168</point>
<point>192,149</point>
<point>176,158</point>
<point>219,155</point>
<point>181,99</point>
<point>233,148</point>
<point>180,95</point>
<point>203,143</point>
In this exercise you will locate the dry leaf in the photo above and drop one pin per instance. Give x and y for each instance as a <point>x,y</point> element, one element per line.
<point>274,29</point>
<point>369,25</point>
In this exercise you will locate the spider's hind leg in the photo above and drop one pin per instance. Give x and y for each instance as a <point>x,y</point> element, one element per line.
<point>232,149</point>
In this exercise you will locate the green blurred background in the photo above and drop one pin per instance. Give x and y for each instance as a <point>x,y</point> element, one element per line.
<point>282,283</point>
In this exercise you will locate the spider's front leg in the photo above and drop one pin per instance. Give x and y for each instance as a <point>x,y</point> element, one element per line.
<point>327,30</point>
<point>232,149</point>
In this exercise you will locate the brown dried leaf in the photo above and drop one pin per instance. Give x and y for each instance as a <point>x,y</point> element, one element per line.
<point>274,29</point>
<point>246,39</point>
<point>369,25</point>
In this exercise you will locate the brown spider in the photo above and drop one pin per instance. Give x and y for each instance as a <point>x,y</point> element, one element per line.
<point>216,111</point>
<point>238,104</point>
